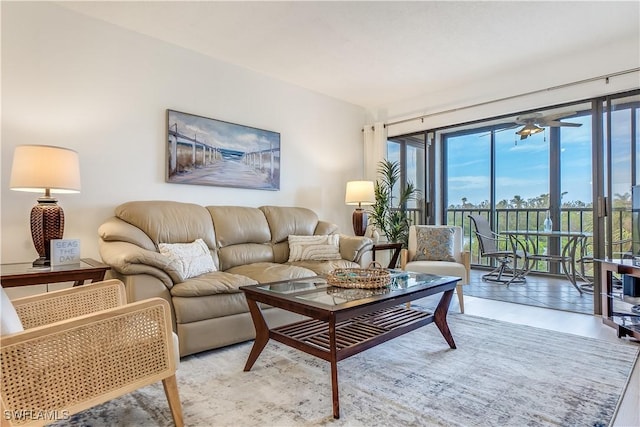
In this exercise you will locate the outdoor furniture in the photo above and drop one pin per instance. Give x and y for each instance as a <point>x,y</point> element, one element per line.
<point>452,260</point>
<point>81,347</point>
<point>527,239</point>
<point>489,242</point>
<point>586,258</point>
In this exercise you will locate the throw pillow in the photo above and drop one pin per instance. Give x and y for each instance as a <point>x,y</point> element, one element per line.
<point>187,259</point>
<point>10,321</point>
<point>434,244</point>
<point>314,248</point>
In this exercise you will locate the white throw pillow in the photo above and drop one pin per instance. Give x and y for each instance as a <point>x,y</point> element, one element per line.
<point>187,259</point>
<point>314,248</point>
<point>10,322</point>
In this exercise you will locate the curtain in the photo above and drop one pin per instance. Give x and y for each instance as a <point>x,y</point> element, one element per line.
<point>375,149</point>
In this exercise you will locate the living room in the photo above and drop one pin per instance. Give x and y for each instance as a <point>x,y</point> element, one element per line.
<point>72,80</point>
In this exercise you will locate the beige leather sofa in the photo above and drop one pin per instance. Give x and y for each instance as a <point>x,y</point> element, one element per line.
<point>248,246</point>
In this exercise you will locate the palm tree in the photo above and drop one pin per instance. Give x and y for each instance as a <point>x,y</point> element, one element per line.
<point>389,218</point>
<point>517,202</point>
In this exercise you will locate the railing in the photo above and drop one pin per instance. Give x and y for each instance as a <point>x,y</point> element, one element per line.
<point>571,219</point>
<point>415,216</point>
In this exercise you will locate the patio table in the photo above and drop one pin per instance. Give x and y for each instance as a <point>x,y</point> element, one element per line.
<point>527,241</point>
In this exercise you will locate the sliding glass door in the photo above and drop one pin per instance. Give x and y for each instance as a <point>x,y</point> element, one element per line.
<point>409,152</point>
<point>621,135</point>
<point>575,162</point>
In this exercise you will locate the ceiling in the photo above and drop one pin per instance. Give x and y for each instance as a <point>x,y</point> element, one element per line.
<point>373,53</point>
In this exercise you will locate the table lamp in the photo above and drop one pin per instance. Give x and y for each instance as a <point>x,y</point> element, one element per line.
<point>360,193</point>
<point>38,168</point>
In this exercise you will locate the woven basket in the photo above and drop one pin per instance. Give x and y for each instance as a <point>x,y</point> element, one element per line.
<point>371,277</point>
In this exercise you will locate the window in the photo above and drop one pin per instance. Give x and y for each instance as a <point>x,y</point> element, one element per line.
<point>409,152</point>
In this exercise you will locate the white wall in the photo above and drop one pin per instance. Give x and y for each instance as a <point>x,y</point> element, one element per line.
<point>531,77</point>
<point>76,82</point>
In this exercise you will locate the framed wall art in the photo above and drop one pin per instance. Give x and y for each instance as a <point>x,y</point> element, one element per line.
<point>203,151</point>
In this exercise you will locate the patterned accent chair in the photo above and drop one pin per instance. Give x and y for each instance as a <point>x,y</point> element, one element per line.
<point>438,249</point>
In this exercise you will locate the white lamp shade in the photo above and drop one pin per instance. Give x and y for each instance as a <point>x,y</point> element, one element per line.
<point>37,168</point>
<point>360,193</point>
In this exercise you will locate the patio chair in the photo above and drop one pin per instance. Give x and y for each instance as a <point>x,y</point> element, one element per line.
<point>506,270</point>
<point>66,351</point>
<point>586,259</point>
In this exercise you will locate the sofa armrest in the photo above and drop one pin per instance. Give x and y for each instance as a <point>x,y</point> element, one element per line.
<point>116,230</point>
<point>129,259</point>
<point>353,248</point>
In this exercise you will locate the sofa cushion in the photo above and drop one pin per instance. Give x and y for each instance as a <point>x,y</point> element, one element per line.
<point>440,268</point>
<point>245,253</point>
<point>217,282</point>
<point>434,243</point>
<point>169,222</point>
<point>314,248</point>
<point>325,267</point>
<point>187,259</point>
<point>285,221</point>
<point>208,307</point>
<point>265,272</point>
<point>239,224</point>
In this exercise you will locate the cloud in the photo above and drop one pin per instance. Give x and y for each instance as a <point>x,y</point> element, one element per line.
<point>469,182</point>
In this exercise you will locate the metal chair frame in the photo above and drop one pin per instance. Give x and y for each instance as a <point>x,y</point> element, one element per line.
<point>488,241</point>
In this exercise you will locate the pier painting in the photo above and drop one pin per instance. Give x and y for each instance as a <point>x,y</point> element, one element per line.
<point>205,151</point>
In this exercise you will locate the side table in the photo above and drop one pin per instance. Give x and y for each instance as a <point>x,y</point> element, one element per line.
<point>396,247</point>
<point>619,310</point>
<point>24,274</point>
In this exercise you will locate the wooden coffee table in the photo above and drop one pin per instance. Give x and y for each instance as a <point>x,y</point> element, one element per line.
<point>343,322</point>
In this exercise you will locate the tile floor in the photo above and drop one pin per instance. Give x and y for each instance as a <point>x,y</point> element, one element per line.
<point>538,291</point>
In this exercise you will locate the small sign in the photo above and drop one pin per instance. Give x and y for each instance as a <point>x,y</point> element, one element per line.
<point>65,251</point>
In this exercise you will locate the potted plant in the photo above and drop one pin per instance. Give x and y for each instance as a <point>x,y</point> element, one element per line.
<point>387,215</point>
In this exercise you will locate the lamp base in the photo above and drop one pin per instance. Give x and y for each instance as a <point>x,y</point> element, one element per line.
<point>47,223</point>
<point>359,220</point>
<point>42,262</point>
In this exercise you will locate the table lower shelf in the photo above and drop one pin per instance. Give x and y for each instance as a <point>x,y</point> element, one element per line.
<point>354,335</point>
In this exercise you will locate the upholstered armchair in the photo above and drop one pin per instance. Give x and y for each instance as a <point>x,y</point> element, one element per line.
<point>438,249</point>
<point>66,351</point>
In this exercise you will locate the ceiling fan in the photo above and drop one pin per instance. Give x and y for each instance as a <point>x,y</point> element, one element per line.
<point>536,122</point>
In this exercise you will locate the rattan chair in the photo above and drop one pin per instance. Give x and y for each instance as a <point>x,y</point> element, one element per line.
<point>81,347</point>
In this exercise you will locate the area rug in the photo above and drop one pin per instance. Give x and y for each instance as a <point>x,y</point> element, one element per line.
<point>501,374</point>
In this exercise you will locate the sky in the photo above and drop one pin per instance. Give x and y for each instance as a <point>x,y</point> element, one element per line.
<point>222,134</point>
<point>522,166</point>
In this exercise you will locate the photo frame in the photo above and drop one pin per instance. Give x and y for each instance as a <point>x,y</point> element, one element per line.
<point>204,151</point>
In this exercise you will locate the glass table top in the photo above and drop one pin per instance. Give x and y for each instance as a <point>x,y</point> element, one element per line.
<point>27,268</point>
<point>316,289</point>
